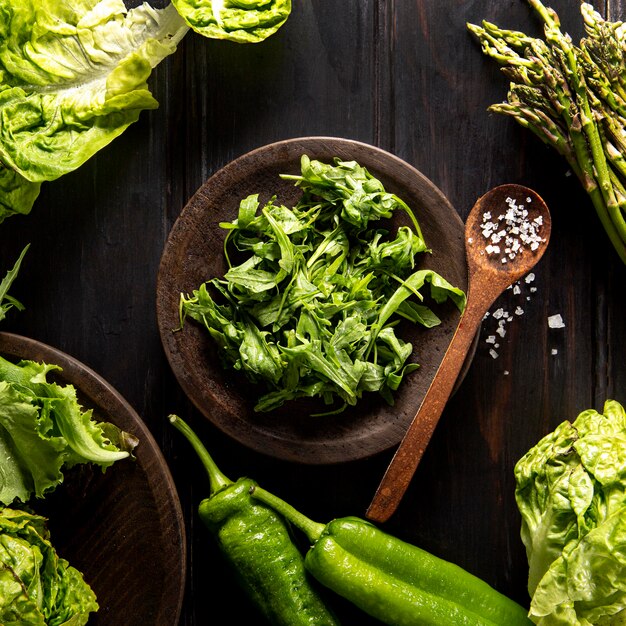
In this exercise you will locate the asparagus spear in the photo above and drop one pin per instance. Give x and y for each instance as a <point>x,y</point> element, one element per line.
<point>574,99</point>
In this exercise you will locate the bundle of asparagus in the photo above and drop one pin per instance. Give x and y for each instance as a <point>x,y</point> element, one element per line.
<point>574,99</point>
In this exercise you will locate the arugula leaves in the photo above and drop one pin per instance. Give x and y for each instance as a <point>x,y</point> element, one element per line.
<point>312,309</point>
<point>7,302</point>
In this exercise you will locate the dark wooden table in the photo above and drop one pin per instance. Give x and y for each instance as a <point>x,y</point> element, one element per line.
<point>405,76</point>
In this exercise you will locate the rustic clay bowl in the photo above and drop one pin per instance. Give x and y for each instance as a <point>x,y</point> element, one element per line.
<point>123,529</point>
<point>194,254</point>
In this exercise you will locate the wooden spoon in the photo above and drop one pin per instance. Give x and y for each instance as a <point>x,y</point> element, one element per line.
<point>491,271</point>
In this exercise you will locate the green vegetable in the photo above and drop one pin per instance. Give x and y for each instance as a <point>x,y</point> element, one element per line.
<point>7,302</point>
<point>574,99</point>
<point>242,21</point>
<point>257,543</point>
<point>37,587</point>
<point>571,493</point>
<point>72,78</point>
<point>43,429</point>
<point>312,309</point>
<point>394,581</point>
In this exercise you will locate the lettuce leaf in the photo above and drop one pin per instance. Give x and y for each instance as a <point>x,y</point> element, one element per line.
<point>17,195</point>
<point>43,429</point>
<point>73,76</point>
<point>37,587</point>
<point>571,493</point>
<point>242,21</point>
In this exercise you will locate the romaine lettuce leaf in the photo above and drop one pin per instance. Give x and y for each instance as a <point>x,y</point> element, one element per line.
<point>242,21</point>
<point>73,76</point>
<point>37,587</point>
<point>571,493</point>
<point>43,429</point>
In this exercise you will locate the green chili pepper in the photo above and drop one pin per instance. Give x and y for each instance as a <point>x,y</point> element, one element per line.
<point>396,582</point>
<point>256,541</point>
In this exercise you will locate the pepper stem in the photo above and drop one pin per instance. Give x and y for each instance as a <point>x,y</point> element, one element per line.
<point>313,530</point>
<point>217,479</point>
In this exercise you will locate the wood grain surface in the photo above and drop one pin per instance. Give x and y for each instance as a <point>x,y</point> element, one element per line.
<point>404,75</point>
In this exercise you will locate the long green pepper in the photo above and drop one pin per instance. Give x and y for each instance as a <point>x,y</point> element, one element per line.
<point>256,542</point>
<point>396,582</point>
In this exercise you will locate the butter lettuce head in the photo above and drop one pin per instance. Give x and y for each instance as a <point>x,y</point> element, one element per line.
<point>571,493</point>
<point>242,21</point>
<point>73,76</point>
<point>37,587</point>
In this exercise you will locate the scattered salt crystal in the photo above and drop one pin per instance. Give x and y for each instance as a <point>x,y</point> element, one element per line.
<point>498,313</point>
<point>517,290</point>
<point>491,339</point>
<point>493,353</point>
<point>501,331</point>
<point>519,311</point>
<point>554,351</point>
<point>506,372</point>
<point>530,278</point>
<point>533,289</point>
<point>556,321</point>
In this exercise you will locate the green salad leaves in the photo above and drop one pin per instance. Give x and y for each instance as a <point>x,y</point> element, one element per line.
<point>242,21</point>
<point>73,76</point>
<point>571,492</point>
<point>37,587</point>
<point>312,309</point>
<point>43,429</point>
<point>7,302</point>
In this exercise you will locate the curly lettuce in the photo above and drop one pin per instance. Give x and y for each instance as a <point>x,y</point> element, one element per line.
<point>44,429</point>
<point>73,76</point>
<point>241,21</point>
<point>571,493</point>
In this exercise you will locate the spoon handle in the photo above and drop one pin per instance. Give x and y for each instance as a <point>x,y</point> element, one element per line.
<point>409,453</point>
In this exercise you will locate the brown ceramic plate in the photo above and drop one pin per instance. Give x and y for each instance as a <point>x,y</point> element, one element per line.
<point>194,254</point>
<point>122,528</point>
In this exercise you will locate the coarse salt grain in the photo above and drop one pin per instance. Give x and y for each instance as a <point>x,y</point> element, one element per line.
<point>554,351</point>
<point>556,321</point>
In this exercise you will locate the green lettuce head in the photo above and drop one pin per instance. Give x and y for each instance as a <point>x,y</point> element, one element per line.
<point>37,587</point>
<point>242,21</point>
<point>73,76</point>
<point>571,493</point>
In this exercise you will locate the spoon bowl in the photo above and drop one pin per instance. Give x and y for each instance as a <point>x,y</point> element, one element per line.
<point>506,233</point>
